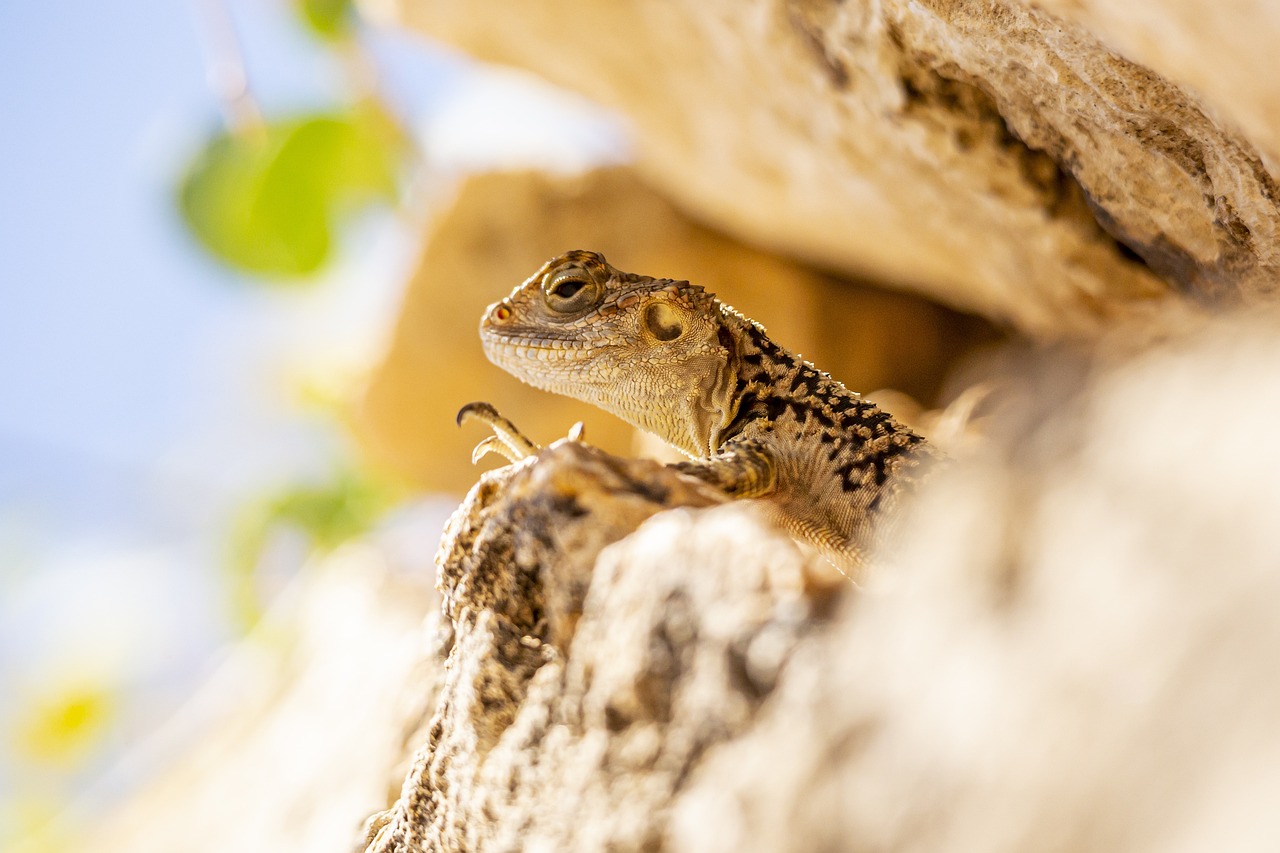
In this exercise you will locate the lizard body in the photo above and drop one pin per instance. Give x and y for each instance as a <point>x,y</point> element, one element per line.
<point>755,420</point>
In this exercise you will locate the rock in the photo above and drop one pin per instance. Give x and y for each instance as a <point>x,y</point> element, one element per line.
<point>503,226</point>
<point>991,155</point>
<point>1073,653</point>
<point>1075,649</point>
<point>586,680</point>
<point>1220,49</point>
<point>1075,657</point>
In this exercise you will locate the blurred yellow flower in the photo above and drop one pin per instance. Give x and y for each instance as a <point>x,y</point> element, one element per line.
<point>65,725</point>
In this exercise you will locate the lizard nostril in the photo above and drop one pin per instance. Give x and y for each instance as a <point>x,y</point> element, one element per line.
<point>501,313</point>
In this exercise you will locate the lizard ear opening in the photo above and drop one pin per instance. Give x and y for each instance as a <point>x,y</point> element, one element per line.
<point>663,322</point>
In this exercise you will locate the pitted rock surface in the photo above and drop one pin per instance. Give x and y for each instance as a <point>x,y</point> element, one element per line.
<point>603,672</point>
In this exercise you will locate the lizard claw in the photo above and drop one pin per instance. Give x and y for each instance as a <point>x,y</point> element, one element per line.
<point>578,431</point>
<point>492,444</point>
<point>506,441</point>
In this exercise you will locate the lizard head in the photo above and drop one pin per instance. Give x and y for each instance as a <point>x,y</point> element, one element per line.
<point>651,351</point>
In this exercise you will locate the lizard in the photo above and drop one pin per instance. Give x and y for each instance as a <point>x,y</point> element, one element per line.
<point>755,420</point>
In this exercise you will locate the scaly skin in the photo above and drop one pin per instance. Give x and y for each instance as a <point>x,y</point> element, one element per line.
<point>757,421</point>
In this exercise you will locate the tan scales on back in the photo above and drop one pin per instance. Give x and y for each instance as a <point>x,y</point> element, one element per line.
<point>755,420</point>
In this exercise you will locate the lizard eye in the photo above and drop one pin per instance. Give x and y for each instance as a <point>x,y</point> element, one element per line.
<point>571,291</point>
<point>567,289</point>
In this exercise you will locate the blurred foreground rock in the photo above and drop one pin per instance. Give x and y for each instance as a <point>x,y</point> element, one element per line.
<point>501,227</point>
<point>293,740</point>
<point>1020,164</point>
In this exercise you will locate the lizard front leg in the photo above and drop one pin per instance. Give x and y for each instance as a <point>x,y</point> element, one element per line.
<point>740,469</point>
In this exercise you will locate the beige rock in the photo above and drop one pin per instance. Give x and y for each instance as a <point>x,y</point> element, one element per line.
<point>560,726</point>
<point>1076,650</point>
<point>1075,653</point>
<point>1224,50</point>
<point>967,150</point>
<point>499,231</point>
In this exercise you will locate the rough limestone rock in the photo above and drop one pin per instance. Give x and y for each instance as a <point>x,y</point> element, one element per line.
<point>584,680</point>
<point>1223,50</point>
<point>502,226</point>
<point>991,154</point>
<point>1075,652</point>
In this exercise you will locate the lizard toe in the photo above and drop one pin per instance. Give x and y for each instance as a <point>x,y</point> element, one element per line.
<point>507,440</point>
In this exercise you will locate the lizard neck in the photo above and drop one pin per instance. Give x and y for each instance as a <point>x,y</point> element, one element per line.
<point>774,385</point>
<point>688,407</point>
<point>762,372</point>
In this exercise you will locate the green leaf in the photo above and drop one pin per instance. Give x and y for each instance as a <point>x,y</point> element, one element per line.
<point>267,201</point>
<point>329,19</point>
<point>328,514</point>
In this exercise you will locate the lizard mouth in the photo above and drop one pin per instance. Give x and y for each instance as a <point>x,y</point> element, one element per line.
<point>506,349</point>
<point>562,367</point>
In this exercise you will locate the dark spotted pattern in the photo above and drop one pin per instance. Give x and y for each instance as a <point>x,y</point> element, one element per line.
<point>850,460</point>
<point>773,385</point>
